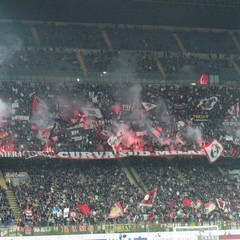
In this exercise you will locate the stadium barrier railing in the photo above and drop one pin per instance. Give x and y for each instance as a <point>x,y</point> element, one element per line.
<point>111,78</point>
<point>111,228</point>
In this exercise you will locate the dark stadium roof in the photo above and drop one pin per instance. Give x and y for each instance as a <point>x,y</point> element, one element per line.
<point>191,13</point>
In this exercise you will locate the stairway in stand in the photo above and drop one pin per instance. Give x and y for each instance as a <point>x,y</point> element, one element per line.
<point>132,175</point>
<point>11,198</point>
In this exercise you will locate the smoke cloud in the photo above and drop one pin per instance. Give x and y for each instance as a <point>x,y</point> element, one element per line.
<point>4,110</point>
<point>194,134</point>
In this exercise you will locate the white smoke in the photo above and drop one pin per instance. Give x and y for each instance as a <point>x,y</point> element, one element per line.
<point>11,43</point>
<point>123,63</point>
<point>43,121</point>
<point>237,133</point>
<point>194,134</point>
<point>4,110</point>
<point>134,94</point>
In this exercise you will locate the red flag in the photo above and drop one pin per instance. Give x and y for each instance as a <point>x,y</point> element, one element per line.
<point>38,105</point>
<point>233,152</point>
<point>221,204</point>
<point>149,198</point>
<point>186,202</point>
<point>116,211</point>
<point>84,209</point>
<point>203,80</point>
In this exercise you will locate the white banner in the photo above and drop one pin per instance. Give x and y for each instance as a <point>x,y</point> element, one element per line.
<point>21,117</point>
<point>207,103</point>
<point>234,111</point>
<point>214,151</point>
<point>148,106</point>
<point>156,132</point>
<point>92,112</point>
<point>66,212</point>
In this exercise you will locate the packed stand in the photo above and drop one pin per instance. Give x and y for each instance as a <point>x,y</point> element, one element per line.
<point>57,184</point>
<point>85,117</point>
<point>189,190</point>
<point>6,214</point>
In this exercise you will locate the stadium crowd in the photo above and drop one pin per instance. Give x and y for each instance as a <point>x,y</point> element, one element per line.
<point>116,117</point>
<point>181,198</point>
<point>85,117</point>
<point>6,213</point>
<point>173,112</point>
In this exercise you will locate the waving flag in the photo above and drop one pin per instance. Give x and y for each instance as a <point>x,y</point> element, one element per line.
<point>234,111</point>
<point>92,112</point>
<point>207,103</point>
<point>203,80</point>
<point>38,105</point>
<point>84,209</point>
<point>209,207</point>
<point>56,210</point>
<point>221,204</point>
<point>148,106</point>
<point>28,212</point>
<point>116,211</point>
<point>214,151</point>
<point>156,131</point>
<point>149,198</point>
<point>66,212</point>
<point>115,140</point>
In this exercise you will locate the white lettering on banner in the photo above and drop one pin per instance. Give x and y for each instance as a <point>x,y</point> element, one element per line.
<point>173,153</point>
<point>110,155</point>
<point>11,154</point>
<point>20,117</point>
<point>87,155</point>
<point>97,155</point>
<point>31,154</point>
<point>233,124</point>
<point>77,138</point>
<point>142,153</point>
<point>77,126</point>
<point>63,154</point>
<point>128,107</point>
